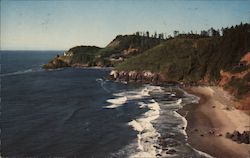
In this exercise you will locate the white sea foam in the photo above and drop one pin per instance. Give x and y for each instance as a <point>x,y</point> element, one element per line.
<point>21,72</point>
<point>137,94</point>
<point>183,125</point>
<point>122,97</point>
<point>147,136</point>
<point>179,101</point>
<point>175,103</point>
<point>102,83</point>
<point>150,88</point>
<point>116,102</point>
<point>183,130</point>
<point>190,98</point>
<point>142,104</point>
<point>172,95</point>
<point>202,153</point>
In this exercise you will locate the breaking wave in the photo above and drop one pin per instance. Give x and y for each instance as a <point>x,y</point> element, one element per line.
<point>22,72</point>
<point>116,102</point>
<point>147,136</point>
<point>162,108</point>
<point>103,83</point>
<point>31,70</point>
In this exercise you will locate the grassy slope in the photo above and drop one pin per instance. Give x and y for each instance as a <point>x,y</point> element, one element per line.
<point>176,59</point>
<point>83,54</point>
<point>142,43</point>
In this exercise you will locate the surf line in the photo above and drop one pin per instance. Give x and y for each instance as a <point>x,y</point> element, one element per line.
<point>147,136</point>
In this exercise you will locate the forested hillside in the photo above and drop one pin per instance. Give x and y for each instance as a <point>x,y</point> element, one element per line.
<point>199,59</point>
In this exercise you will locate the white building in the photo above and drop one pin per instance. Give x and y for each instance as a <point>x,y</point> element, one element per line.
<point>68,54</point>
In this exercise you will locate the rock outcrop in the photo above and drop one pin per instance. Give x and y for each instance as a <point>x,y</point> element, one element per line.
<point>55,63</point>
<point>239,137</point>
<point>141,77</point>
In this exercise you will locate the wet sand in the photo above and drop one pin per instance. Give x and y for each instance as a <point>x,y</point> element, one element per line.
<point>211,118</point>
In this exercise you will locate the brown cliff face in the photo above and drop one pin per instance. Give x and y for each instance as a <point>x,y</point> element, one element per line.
<point>130,51</point>
<point>236,82</point>
<point>227,76</point>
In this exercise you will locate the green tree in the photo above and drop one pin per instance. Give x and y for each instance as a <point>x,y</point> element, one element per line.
<point>176,33</point>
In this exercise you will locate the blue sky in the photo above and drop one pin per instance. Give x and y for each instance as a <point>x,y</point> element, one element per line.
<point>61,24</point>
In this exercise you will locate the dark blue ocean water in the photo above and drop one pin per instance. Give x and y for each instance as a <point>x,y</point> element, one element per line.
<point>59,112</point>
<point>76,112</point>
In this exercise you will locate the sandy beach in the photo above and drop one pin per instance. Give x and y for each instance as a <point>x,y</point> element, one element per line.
<point>211,119</point>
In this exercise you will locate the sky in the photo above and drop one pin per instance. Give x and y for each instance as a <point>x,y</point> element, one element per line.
<point>62,24</point>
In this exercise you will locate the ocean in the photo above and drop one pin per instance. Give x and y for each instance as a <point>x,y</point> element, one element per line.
<point>77,112</point>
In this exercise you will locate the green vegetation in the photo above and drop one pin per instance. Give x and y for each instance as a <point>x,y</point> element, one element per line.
<point>83,54</point>
<point>55,63</point>
<point>121,48</point>
<point>139,42</point>
<point>176,59</point>
<point>239,68</point>
<point>191,59</point>
<point>240,86</point>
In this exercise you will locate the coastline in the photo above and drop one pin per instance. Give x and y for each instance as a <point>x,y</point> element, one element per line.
<point>210,119</point>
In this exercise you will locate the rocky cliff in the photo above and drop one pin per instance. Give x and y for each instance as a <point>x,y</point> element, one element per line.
<point>57,62</point>
<point>140,77</point>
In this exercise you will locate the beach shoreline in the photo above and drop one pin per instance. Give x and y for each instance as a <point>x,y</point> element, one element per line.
<point>210,119</point>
